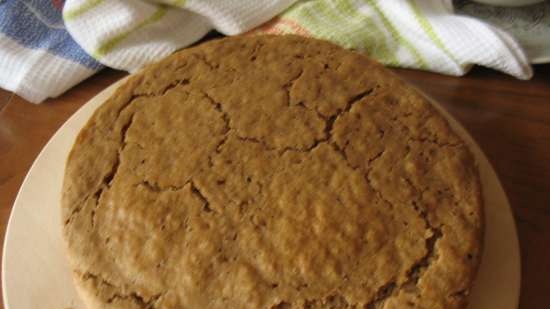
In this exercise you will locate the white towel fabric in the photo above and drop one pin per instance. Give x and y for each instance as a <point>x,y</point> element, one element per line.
<point>36,74</point>
<point>38,57</point>
<point>423,34</point>
<point>127,34</point>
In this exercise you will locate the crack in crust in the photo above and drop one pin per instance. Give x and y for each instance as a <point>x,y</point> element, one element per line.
<point>197,192</point>
<point>329,123</point>
<point>382,295</point>
<point>108,179</point>
<point>141,301</point>
<point>416,271</point>
<point>385,291</point>
<point>154,187</point>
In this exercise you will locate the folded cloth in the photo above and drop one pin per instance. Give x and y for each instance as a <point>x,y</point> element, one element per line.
<point>38,57</point>
<point>421,34</point>
<point>127,34</point>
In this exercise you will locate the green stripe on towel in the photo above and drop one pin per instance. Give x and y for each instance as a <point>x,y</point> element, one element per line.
<point>110,44</point>
<point>427,27</point>
<point>381,51</point>
<point>420,62</point>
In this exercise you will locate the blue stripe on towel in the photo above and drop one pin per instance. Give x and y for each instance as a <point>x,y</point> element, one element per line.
<point>38,24</point>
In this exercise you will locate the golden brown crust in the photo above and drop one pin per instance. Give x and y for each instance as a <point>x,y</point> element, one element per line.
<point>270,172</point>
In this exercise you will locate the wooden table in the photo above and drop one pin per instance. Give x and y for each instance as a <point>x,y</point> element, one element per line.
<point>510,119</point>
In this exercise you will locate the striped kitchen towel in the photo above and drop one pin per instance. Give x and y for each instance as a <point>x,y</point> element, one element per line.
<point>38,57</point>
<point>127,34</point>
<point>423,34</point>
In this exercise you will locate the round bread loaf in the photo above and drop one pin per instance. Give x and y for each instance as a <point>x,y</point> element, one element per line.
<point>270,172</point>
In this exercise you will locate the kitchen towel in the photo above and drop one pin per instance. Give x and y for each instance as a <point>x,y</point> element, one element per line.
<point>421,34</point>
<point>127,34</point>
<point>38,57</point>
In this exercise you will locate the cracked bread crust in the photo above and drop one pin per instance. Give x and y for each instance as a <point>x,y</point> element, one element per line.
<point>270,172</point>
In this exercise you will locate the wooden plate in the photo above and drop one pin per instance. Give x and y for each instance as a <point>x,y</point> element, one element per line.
<point>36,273</point>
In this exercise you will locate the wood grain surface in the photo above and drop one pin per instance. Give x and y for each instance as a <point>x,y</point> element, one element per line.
<point>510,119</point>
<point>5,97</point>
